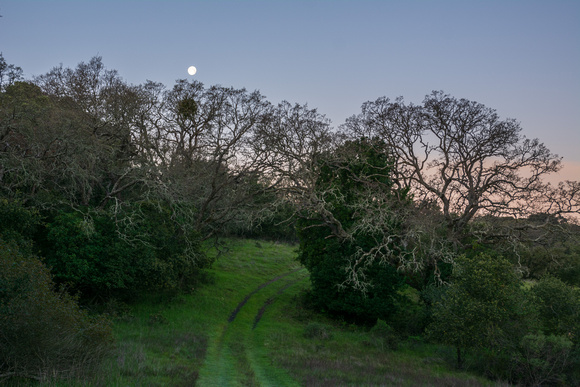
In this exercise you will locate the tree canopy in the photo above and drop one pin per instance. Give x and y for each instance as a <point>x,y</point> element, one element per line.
<point>459,155</point>
<point>83,140</point>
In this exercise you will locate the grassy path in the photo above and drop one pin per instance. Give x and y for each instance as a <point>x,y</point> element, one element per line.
<point>236,353</point>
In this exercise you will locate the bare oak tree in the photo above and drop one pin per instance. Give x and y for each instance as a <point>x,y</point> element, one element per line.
<point>292,143</point>
<point>459,155</point>
<point>9,73</point>
<point>207,149</point>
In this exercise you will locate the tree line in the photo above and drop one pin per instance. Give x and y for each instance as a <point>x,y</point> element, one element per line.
<point>116,186</point>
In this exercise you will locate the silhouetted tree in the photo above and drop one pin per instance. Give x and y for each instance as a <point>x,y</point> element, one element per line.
<point>459,155</point>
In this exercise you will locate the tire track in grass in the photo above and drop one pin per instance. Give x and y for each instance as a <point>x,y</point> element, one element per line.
<point>262,286</point>
<point>233,359</point>
<point>271,300</point>
<point>264,371</point>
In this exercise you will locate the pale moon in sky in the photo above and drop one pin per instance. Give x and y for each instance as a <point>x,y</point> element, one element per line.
<point>191,70</point>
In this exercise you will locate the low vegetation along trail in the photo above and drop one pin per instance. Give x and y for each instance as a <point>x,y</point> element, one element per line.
<point>236,353</point>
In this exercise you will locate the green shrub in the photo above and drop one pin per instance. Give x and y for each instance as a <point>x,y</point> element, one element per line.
<point>561,260</point>
<point>316,330</point>
<point>43,332</point>
<point>18,224</point>
<point>86,253</point>
<point>343,186</point>
<point>326,260</point>
<point>412,313</point>
<point>484,307</point>
<point>102,257</point>
<point>486,310</point>
<point>570,274</point>
<point>558,306</point>
<point>543,359</point>
<point>384,335</point>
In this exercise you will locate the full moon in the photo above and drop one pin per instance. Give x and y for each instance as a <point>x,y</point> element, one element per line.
<point>191,70</point>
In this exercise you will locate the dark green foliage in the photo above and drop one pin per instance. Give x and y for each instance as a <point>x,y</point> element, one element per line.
<point>43,332</point>
<point>187,108</point>
<point>542,360</point>
<point>384,335</point>
<point>342,185</point>
<point>525,337</point>
<point>545,245</point>
<point>95,255</point>
<point>326,260</point>
<point>18,224</point>
<point>561,260</point>
<point>558,306</point>
<point>570,273</point>
<point>412,314</point>
<point>559,315</point>
<point>484,307</point>
<point>87,254</point>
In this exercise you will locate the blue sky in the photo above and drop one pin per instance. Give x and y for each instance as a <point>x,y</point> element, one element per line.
<point>519,57</point>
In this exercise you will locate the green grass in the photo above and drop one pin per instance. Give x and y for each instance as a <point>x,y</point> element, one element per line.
<point>187,340</point>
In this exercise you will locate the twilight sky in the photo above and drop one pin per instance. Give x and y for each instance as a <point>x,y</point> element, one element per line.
<point>520,57</point>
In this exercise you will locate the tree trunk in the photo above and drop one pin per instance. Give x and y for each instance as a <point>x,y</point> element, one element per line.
<point>459,360</point>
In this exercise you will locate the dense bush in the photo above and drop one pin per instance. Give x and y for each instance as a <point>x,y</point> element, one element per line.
<point>528,337</point>
<point>561,261</point>
<point>43,332</point>
<point>483,308</point>
<point>326,260</point>
<point>341,186</point>
<point>384,335</point>
<point>559,315</point>
<point>558,306</point>
<point>542,360</point>
<point>99,257</point>
<point>18,224</point>
<point>542,245</point>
